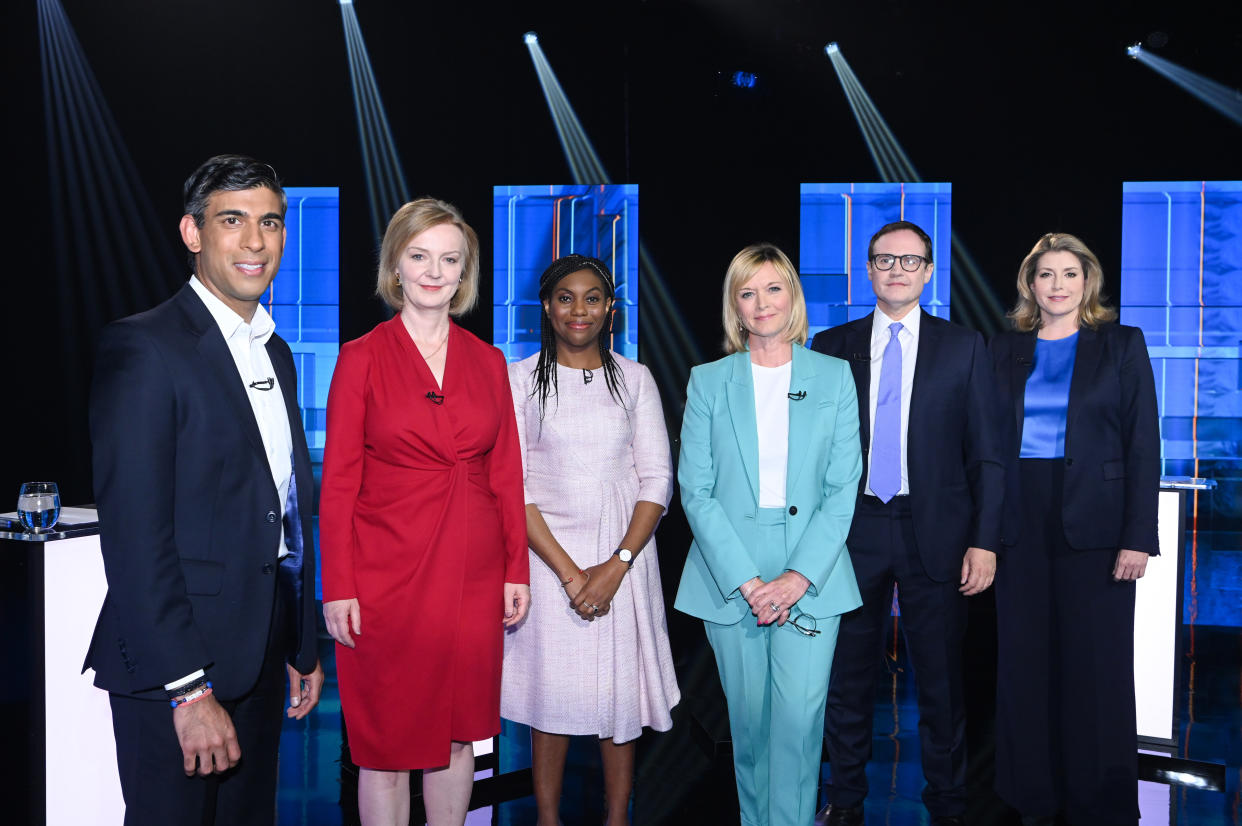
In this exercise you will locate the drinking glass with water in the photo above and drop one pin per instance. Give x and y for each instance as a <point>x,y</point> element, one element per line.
<point>38,505</point>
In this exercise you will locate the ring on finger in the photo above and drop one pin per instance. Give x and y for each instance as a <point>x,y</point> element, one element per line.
<point>775,606</point>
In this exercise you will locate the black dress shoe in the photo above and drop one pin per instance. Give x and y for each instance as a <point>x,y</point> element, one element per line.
<point>949,820</point>
<point>841,816</point>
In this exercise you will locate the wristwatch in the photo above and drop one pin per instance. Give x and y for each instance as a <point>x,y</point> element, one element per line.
<point>625,556</point>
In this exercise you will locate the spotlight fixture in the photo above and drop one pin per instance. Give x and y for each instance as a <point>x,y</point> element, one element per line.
<point>744,80</point>
<point>347,2</point>
<point>832,48</point>
<point>529,38</point>
<point>1133,51</point>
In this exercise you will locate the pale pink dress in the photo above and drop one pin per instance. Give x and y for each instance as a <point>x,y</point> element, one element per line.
<point>587,466</point>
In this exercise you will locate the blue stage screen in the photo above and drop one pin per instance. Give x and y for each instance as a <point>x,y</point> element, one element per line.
<point>1181,282</point>
<point>535,225</point>
<point>305,303</point>
<point>838,221</point>
<point>305,300</point>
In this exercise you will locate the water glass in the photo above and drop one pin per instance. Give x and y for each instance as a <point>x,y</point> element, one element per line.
<point>38,506</point>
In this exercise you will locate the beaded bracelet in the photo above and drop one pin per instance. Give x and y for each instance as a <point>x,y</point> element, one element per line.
<point>191,697</point>
<point>192,685</point>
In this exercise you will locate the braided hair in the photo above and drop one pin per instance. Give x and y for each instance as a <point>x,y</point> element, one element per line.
<point>545,368</point>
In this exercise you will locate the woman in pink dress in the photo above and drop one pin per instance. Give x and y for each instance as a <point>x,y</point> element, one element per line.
<point>421,525</point>
<point>592,658</point>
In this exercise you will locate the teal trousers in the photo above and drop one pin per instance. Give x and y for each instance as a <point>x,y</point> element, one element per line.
<point>775,682</point>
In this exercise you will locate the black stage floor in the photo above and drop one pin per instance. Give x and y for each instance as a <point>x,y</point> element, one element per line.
<point>685,775</point>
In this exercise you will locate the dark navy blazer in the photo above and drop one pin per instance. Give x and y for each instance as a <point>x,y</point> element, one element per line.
<point>953,452</point>
<point>1112,438</point>
<point>190,518</point>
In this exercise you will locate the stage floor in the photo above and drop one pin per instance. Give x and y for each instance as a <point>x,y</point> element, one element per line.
<point>685,777</point>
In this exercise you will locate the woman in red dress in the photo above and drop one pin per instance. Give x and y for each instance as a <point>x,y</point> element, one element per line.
<point>422,525</point>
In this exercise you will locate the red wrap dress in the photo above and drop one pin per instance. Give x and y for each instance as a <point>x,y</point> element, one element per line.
<point>422,520</point>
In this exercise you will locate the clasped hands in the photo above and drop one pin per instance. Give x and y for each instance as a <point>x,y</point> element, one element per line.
<point>599,583</point>
<point>770,601</point>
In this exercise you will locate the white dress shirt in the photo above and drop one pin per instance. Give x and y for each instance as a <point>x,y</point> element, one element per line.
<point>909,339</point>
<point>772,417</point>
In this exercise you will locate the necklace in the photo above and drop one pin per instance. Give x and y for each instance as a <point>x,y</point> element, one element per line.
<point>587,375</point>
<point>428,356</point>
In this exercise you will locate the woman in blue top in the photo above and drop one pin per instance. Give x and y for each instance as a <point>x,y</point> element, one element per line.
<point>1083,451</point>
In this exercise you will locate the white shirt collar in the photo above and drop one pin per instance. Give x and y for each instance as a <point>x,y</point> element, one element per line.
<point>261,326</point>
<point>880,322</point>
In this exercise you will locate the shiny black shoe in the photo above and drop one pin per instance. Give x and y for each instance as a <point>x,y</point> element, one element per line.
<point>841,816</point>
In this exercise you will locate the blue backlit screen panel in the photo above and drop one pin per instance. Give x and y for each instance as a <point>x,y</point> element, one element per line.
<point>305,303</point>
<point>837,222</point>
<point>1181,282</point>
<point>535,225</point>
<point>305,300</point>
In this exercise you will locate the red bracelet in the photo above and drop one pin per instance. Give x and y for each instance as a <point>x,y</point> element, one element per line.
<point>565,582</point>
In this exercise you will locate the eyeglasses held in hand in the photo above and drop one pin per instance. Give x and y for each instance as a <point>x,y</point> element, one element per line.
<point>804,624</point>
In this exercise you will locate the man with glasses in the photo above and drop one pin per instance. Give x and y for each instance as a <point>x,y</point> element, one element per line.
<point>927,519</point>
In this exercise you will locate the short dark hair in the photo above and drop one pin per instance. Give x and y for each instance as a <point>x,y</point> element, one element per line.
<point>897,226</point>
<point>228,173</point>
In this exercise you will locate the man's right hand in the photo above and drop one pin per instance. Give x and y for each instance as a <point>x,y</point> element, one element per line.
<point>208,740</point>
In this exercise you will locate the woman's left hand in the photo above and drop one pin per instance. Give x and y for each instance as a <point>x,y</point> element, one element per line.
<point>1130,565</point>
<point>776,597</point>
<point>517,603</point>
<point>602,583</point>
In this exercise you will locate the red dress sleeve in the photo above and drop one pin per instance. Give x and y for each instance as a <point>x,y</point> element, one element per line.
<point>505,468</point>
<point>342,471</point>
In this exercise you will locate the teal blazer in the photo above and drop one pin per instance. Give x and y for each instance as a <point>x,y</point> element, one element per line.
<point>719,477</point>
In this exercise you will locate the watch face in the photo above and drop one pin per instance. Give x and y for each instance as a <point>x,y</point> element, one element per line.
<point>626,556</point>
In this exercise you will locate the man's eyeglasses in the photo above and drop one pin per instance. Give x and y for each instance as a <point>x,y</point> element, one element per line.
<point>909,263</point>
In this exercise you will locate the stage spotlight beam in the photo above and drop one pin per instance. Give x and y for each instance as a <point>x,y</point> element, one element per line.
<point>385,178</point>
<point>1220,97</point>
<point>979,305</point>
<point>676,350</point>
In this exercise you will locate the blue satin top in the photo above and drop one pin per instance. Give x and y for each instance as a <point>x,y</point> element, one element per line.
<point>1047,398</point>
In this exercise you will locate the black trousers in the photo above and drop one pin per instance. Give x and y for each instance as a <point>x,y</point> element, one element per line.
<point>153,782</point>
<point>933,619</point>
<point>1066,737</point>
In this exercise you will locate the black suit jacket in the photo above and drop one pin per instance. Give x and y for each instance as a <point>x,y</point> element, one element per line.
<point>189,516</point>
<point>953,453</point>
<point>1112,438</point>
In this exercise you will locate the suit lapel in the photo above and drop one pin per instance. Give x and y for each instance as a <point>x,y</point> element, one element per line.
<point>740,392</point>
<point>926,360</point>
<point>1021,361</point>
<point>801,414</point>
<point>212,347</point>
<point>858,351</point>
<point>1087,356</point>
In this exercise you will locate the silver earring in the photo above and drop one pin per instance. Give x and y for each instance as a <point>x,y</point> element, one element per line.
<point>398,279</point>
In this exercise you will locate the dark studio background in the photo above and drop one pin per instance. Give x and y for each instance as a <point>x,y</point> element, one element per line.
<point>1032,111</point>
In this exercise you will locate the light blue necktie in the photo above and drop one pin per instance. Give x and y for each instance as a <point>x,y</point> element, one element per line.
<point>886,444</point>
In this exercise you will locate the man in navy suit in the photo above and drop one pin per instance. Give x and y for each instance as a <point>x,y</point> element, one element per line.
<point>927,518</point>
<point>200,467</point>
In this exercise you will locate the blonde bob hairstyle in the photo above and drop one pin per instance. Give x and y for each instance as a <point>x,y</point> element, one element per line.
<point>1091,312</point>
<point>412,219</point>
<point>741,269</point>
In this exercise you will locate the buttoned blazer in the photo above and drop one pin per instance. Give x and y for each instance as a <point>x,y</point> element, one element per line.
<point>718,472</point>
<point>1112,438</point>
<point>189,516</point>
<point>953,455</point>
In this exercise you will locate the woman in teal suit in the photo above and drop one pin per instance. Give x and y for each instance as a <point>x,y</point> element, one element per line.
<point>769,470</point>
